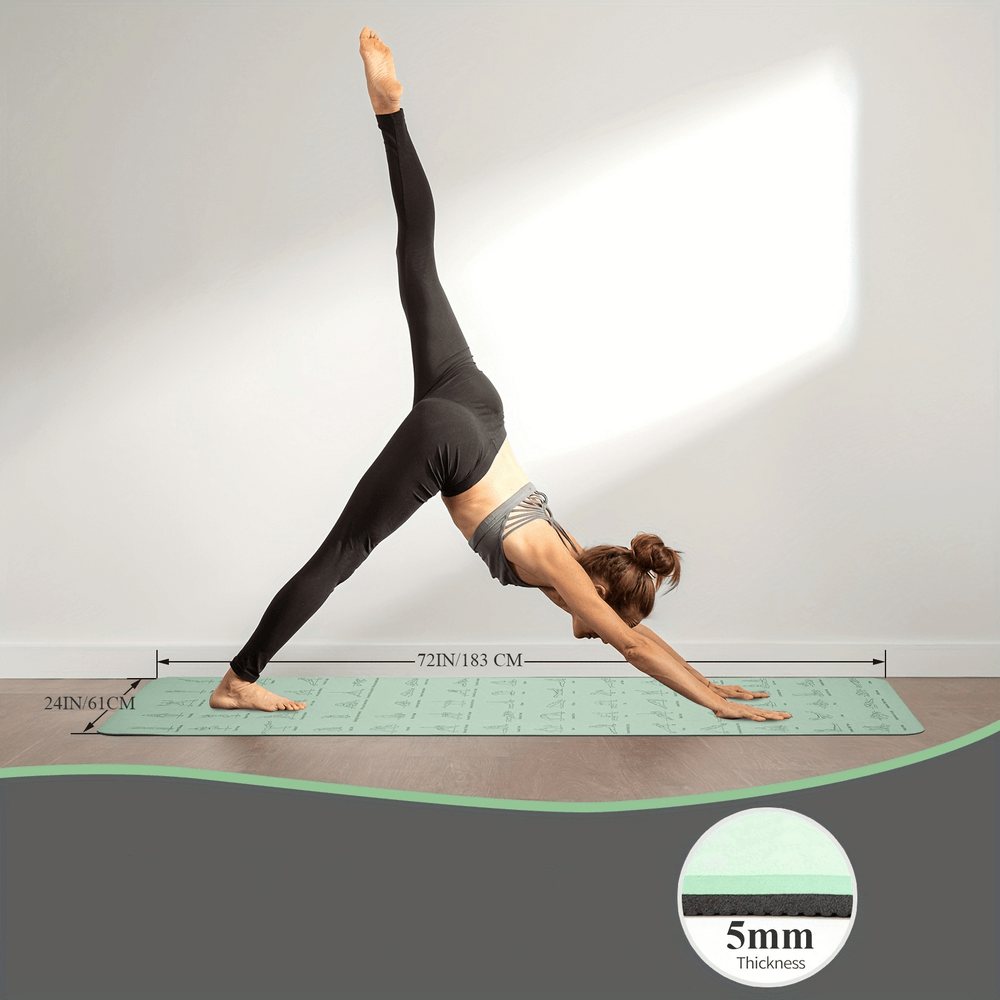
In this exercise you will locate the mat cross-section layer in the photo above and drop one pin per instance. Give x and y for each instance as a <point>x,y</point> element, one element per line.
<point>767,862</point>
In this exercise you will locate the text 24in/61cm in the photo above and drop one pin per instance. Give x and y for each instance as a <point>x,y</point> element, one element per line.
<point>88,703</point>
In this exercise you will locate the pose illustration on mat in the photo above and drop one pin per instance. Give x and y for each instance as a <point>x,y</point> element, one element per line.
<point>453,442</point>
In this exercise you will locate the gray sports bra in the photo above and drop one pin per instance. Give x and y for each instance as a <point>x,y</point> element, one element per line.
<point>527,504</point>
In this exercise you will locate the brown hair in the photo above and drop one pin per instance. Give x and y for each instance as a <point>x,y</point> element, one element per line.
<point>632,576</point>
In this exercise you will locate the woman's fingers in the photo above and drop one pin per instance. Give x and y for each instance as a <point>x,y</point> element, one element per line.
<point>735,691</point>
<point>753,714</point>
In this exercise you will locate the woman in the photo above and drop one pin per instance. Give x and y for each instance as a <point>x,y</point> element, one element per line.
<point>453,442</point>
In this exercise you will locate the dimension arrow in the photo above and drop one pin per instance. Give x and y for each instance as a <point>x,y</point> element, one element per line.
<point>90,725</point>
<point>872,662</point>
<point>168,662</point>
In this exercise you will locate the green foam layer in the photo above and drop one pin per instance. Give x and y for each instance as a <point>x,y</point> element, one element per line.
<point>766,843</point>
<point>753,885</point>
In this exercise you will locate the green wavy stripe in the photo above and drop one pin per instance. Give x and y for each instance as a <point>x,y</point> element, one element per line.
<point>524,805</point>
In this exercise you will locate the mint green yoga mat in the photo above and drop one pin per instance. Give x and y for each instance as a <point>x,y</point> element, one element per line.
<point>523,706</point>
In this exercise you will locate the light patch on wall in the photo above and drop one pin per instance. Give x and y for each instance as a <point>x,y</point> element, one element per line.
<point>721,250</point>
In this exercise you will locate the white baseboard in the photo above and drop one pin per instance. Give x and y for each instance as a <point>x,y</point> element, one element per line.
<point>584,659</point>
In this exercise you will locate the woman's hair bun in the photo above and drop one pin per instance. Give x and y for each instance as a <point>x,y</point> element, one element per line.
<point>651,554</point>
<point>630,577</point>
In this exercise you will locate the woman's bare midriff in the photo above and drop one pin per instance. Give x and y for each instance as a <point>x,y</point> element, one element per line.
<point>503,480</point>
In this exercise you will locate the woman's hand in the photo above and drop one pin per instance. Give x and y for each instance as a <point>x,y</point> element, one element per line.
<point>734,711</point>
<point>735,691</point>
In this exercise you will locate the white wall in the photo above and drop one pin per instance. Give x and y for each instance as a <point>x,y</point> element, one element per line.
<point>202,345</point>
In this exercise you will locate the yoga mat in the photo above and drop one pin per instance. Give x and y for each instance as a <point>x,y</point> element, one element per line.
<point>523,706</point>
<point>767,862</point>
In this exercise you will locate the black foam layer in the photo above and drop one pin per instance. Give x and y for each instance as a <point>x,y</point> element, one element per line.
<point>796,904</point>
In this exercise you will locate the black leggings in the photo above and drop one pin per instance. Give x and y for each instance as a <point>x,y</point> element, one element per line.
<point>446,443</point>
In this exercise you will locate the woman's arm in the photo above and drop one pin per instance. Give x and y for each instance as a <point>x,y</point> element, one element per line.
<point>653,659</point>
<point>724,690</point>
<point>650,634</point>
<point>577,594</point>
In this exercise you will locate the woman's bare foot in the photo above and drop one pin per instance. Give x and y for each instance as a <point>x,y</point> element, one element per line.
<point>380,74</point>
<point>234,692</point>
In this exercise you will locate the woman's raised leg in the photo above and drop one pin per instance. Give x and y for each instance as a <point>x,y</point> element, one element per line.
<point>436,340</point>
<point>415,462</point>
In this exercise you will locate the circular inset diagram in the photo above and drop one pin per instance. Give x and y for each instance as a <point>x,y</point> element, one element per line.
<point>767,897</point>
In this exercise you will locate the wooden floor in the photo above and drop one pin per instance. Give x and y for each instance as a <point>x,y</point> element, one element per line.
<point>552,768</point>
